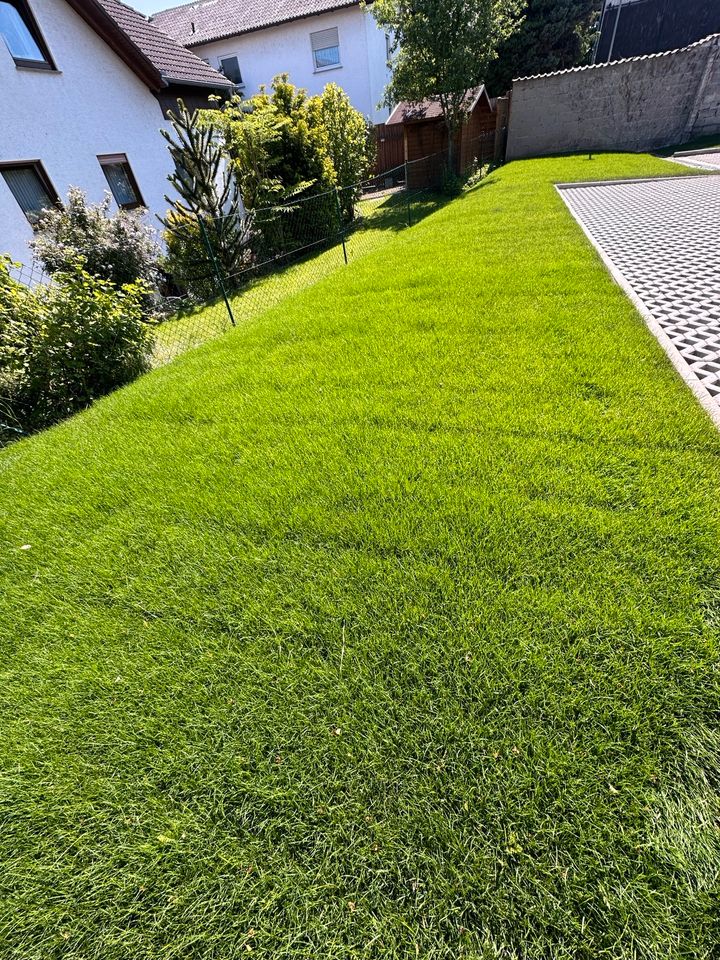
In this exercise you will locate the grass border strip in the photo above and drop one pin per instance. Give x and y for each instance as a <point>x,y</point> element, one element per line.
<point>676,358</point>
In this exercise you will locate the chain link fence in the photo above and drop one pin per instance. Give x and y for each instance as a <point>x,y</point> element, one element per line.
<point>241,267</point>
<point>285,248</point>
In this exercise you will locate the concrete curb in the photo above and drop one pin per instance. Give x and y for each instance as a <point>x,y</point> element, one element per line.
<point>695,153</point>
<point>618,183</point>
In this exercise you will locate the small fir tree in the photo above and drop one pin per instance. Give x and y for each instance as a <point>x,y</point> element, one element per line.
<point>208,208</point>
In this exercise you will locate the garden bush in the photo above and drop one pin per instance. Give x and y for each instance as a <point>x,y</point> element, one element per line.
<point>347,139</point>
<point>119,247</point>
<point>64,345</point>
<point>289,153</point>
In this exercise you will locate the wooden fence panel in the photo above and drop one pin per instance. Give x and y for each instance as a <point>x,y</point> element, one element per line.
<point>390,146</point>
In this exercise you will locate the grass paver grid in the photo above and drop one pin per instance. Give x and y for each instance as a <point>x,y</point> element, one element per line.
<point>384,626</point>
<point>662,237</point>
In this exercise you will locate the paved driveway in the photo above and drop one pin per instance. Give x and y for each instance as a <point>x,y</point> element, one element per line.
<point>706,161</point>
<point>661,240</point>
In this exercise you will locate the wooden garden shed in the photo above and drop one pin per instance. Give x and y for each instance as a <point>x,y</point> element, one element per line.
<point>425,136</point>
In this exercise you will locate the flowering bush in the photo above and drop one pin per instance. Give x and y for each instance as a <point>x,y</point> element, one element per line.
<point>118,247</point>
<point>64,345</point>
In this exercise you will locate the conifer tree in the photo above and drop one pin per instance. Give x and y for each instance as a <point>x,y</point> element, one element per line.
<point>208,207</point>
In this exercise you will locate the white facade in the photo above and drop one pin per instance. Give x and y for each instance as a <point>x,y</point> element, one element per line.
<point>286,48</point>
<point>92,105</point>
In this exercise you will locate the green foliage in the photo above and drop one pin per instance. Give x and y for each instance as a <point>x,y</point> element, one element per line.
<point>119,247</point>
<point>64,345</point>
<point>555,34</point>
<point>207,192</point>
<point>277,148</point>
<point>347,141</point>
<point>442,48</point>
<point>186,259</point>
<point>451,183</point>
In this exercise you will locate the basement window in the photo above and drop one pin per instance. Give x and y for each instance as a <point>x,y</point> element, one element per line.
<point>230,68</point>
<point>325,49</point>
<point>22,36</point>
<point>31,187</point>
<point>121,181</point>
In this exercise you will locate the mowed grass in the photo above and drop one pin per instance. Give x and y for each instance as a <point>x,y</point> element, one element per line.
<point>377,217</point>
<point>383,627</point>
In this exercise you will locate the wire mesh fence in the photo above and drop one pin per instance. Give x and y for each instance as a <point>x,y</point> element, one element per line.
<point>279,250</point>
<point>29,274</point>
<point>237,268</point>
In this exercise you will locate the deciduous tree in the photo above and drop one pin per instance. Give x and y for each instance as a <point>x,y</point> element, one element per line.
<point>555,34</point>
<point>442,48</point>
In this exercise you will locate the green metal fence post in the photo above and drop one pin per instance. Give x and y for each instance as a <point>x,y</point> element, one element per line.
<point>216,268</point>
<point>407,197</point>
<point>340,223</point>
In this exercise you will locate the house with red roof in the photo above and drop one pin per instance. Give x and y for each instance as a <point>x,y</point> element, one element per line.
<point>314,41</point>
<point>85,85</point>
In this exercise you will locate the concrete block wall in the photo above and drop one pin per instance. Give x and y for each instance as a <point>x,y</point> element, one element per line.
<point>707,118</point>
<point>638,104</point>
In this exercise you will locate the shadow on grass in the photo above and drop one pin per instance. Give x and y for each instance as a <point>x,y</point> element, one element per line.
<point>265,285</point>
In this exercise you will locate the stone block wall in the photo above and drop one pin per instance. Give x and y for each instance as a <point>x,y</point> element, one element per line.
<point>638,104</point>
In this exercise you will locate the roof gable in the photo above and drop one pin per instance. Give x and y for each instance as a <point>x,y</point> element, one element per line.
<point>154,57</point>
<point>175,63</point>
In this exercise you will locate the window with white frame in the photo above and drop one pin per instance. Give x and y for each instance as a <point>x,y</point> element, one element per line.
<point>230,68</point>
<point>325,49</point>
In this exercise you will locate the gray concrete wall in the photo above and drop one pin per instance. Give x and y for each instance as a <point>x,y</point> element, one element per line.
<point>638,104</point>
<point>707,118</point>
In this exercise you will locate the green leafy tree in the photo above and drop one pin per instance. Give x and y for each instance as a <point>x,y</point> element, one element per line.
<point>555,34</point>
<point>442,48</point>
<point>208,207</point>
<point>347,142</point>
<point>276,150</point>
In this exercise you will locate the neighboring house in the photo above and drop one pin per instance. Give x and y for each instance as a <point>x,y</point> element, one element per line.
<point>84,87</point>
<point>634,28</point>
<point>425,136</point>
<point>314,41</point>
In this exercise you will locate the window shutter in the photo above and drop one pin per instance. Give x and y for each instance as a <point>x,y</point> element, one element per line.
<point>324,39</point>
<point>28,189</point>
<point>230,67</point>
<point>325,48</point>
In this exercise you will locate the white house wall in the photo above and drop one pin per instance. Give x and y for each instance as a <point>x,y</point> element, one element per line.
<point>94,105</point>
<point>263,54</point>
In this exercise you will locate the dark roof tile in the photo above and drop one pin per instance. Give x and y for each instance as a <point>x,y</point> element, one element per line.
<point>430,109</point>
<point>174,62</point>
<point>195,23</point>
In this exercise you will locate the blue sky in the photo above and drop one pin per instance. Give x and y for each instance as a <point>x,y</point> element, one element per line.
<point>152,6</point>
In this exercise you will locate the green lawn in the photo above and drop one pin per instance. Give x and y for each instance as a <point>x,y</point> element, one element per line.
<point>385,626</point>
<point>377,217</point>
